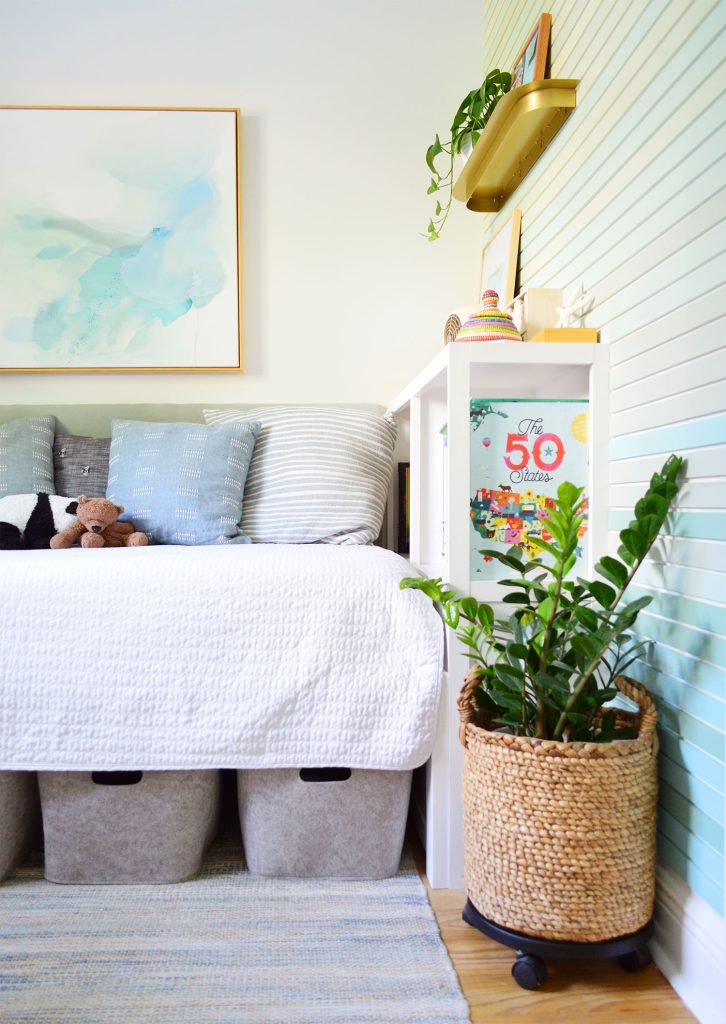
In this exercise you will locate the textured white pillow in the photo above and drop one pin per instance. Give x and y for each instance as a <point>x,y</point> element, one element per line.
<point>318,473</point>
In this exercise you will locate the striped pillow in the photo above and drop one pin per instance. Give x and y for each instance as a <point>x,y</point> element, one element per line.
<point>318,473</point>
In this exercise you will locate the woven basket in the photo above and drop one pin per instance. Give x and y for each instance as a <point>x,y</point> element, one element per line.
<point>559,838</point>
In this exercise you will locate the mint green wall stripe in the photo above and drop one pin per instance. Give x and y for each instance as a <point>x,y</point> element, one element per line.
<point>674,438</point>
<point>702,675</point>
<point>684,726</point>
<point>709,890</point>
<point>680,695</point>
<point>697,643</point>
<point>698,525</point>
<point>692,817</point>
<point>696,762</point>
<point>702,614</point>
<point>699,852</point>
<point>704,797</point>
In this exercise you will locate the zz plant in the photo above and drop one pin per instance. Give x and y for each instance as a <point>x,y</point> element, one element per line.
<point>474,111</point>
<point>548,669</point>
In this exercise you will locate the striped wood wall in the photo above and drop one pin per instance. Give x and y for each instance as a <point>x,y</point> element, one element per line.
<point>630,199</point>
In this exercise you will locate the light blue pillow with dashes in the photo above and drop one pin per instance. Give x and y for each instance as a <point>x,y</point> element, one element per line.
<point>181,483</point>
<point>26,456</point>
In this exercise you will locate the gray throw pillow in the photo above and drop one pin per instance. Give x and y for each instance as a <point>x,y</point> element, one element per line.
<point>318,473</point>
<point>26,456</point>
<point>81,465</point>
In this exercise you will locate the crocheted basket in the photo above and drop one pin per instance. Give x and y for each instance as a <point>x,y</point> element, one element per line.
<point>559,838</point>
<point>489,324</point>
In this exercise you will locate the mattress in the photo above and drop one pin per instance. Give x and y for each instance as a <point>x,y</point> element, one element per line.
<point>254,656</point>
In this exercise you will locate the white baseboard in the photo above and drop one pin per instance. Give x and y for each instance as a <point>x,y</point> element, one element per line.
<point>689,947</point>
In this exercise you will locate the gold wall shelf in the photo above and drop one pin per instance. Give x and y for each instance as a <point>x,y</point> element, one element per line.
<point>523,124</point>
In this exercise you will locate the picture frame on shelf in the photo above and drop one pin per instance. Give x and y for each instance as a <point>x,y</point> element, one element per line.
<point>120,240</point>
<point>499,261</point>
<point>403,532</point>
<point>531,64</point>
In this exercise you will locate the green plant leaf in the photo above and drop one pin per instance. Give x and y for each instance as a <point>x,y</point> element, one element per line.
<point>546,681</point>
<point>485,616</point>
<point>469,607</point>
<point>504,557</point>
<point>507,700</point>
<point>586,617</point>
<point>544,609</point>
<point>545,545</point>
<point>568,494</point>
<point>509,674</point>
<point>516,653</point>
<point>432,152</point>
<point>612,570</point>
<point>433,187</point>
<point>602,593</point>
<point>634,542</point>
<point>450,614</point>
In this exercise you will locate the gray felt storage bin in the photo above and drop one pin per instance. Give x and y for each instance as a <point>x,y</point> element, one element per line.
<point>123,827</point>
<point>19,817</point>
<point>323,822</point>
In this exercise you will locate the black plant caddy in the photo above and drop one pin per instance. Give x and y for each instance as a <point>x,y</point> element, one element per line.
<point>530,970</point>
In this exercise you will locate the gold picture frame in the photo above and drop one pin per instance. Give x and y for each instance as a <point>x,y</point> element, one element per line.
<point>499,258</point>
<point>120,240</point>
<point>531,63</point>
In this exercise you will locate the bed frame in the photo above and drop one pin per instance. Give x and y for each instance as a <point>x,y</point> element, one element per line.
<point>436,796</point>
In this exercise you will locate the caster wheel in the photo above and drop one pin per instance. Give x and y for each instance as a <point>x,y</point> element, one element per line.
<point>529,971</point>
<point>635,961</point>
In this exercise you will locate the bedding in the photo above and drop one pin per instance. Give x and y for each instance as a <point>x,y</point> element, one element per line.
<point>319,474</point>
<point>241,656</point>
<point>26,456</point>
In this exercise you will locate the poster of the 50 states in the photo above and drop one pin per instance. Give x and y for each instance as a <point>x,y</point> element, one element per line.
<point>520,451</point>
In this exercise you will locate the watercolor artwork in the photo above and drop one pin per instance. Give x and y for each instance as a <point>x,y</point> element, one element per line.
<point>520,451</point>
<point>119,239</point>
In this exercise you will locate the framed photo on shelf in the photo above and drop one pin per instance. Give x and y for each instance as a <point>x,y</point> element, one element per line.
<point>499,261</point>
<point>404,508</point>
<point>531,64</point>
<point>119,240</point>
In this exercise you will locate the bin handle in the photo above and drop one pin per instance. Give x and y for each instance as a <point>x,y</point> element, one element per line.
<point>116,778</point>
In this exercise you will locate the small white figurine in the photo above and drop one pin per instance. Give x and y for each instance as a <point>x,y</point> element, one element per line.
<point>574,307</point>
<point>516,311</point>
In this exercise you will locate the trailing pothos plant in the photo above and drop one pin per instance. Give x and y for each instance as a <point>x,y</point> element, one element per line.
<point>474,111</point>
<point>548,669</point>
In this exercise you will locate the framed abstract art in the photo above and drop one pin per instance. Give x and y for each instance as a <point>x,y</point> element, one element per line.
<point>119,239</point>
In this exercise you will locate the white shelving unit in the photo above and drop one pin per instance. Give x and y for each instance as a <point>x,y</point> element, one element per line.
<point>439,513</point>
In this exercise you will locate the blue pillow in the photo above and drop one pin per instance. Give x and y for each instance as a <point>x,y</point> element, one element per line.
<point>181,483</point>
<point>26,456</point>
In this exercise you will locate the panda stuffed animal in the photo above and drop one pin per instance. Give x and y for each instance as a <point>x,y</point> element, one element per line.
<point>30,520</point>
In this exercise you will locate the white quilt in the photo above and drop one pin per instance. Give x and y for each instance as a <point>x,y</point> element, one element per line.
<point>243,656</point>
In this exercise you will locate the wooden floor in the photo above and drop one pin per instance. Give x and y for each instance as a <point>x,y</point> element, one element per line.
<point>595,991</point>
<point>600,992</point>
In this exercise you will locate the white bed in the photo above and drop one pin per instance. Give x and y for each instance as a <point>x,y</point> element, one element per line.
<point>233,656</point>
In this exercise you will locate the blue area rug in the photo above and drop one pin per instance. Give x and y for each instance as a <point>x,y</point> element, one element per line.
<point>225,948</point>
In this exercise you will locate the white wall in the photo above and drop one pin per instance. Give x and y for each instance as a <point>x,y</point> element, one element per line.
<point>343,300</point>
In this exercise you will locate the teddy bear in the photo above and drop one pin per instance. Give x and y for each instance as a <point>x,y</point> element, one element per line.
<point>96,527</point>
